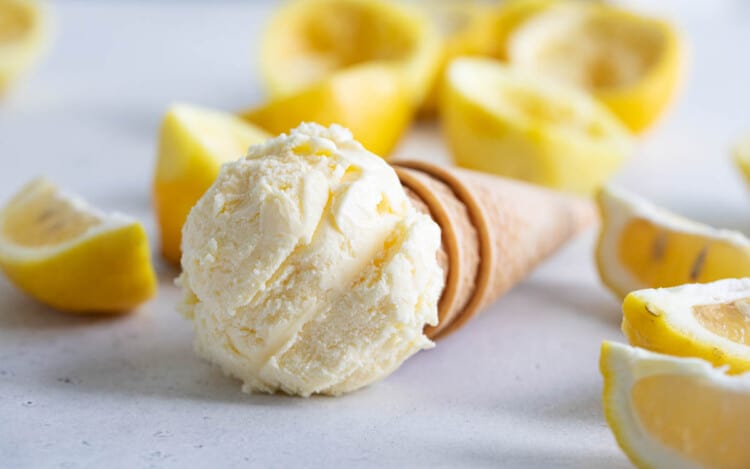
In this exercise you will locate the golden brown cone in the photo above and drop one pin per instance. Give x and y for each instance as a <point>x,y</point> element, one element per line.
<point>495,231</point>
<point>459,253</point>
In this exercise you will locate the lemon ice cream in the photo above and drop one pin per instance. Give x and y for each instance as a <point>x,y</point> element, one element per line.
<point>306,269</point>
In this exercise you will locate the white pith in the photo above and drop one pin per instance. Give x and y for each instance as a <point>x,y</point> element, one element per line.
<point>619,208</point>
<point>13,252</point>
<point>628,365</point>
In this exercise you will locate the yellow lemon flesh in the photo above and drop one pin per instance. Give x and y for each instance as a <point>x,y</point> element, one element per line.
<point>513,124</point>
<point>193,143</point>
<point>629,62</point>
<point>308,41</point>
<point>643,246</point>
<point>22,32</point>
<point>370,100</point>
<point>72,257</point>
<point>742,156</point>
<point>709,321</point>
<point>675,413</point>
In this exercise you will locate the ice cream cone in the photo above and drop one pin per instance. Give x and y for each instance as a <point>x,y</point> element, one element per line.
<point>495,231</point>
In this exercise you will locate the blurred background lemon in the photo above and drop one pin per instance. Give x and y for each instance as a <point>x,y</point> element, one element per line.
<point>365,64</point>
<point>193,143</point>
<point>23,32</point>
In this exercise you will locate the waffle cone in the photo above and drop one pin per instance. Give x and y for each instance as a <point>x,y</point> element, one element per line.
<point>494,232</point>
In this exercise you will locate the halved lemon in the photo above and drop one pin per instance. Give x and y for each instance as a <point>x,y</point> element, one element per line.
<point>631,63</point>
<point>511,123</point>
<point>193,143</point>
<point>371,100</point>
<point>643,246</point>
<point>23,28</point>
<point>741,153</point>
<point>71,256</point>
<point>709,321</point>
<point>308,41</point>
<point>675,413</point>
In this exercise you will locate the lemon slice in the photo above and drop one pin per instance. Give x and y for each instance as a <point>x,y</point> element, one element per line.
<point>675,413</point>
<point>22,34</point>
<point>310,40</point>
<point>71,256</point>
<point>629,62</point>
<point>370,100</point>
<point>742,156</point>
<point>709,321</point>
<point>643,246</point>
<point>519,125</point>
<point>193,143</point>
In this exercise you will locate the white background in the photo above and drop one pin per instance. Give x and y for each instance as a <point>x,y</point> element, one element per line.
<point>518,387</point>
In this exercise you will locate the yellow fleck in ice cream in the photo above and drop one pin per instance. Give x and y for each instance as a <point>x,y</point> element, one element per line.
<point>306,269</point>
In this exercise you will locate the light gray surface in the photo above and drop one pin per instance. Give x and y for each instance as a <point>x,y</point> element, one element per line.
<point>518,387</point>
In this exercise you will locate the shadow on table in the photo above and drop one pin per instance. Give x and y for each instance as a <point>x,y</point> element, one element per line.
<point>581,406</point>
<point>140,355</point>
<point>21,312</point>
<point>585,408</point>
<point>137,203</point>
<point>586,299</point>
<point>168,370</point>
<point>571,457</point>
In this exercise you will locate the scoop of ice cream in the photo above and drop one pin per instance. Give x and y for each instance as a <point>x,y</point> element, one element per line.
<point>306,269</point>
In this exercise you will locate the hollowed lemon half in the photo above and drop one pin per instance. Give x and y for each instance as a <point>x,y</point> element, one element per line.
<point>371,100</point>
<point>520,125</point>
<point>631,63</point>
<point>308,41</point>
<point>23,30</point>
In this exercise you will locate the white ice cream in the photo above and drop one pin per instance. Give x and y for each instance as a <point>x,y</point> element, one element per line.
<point>305,268</point>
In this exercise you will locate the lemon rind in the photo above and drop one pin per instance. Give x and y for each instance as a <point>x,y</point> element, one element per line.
<point>622,366</point>
<point>459,73</point>
<point>11,252</point>
<point>618,207</point>
<point>525,43</point>
<point>674,307</point>
<point>741,156</point>
<point>423,61</point>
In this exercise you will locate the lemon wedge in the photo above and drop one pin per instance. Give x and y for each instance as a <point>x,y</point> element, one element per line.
<point>371,100</point>
<point>631,63</point>
<point>519,125</point>
<point>308,41</point>
<point>22,33</point>
<point>675,413</point>
<point>69,255</point>
<point>193,143</point>
<point>742,156</point>
<point>643,246</point>
<point>709,321</point>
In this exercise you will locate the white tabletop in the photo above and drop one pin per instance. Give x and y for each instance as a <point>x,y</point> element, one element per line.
<point>518,387</point>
